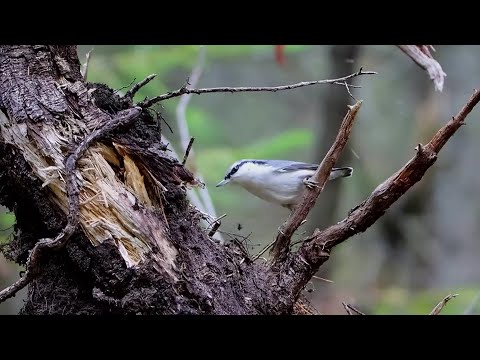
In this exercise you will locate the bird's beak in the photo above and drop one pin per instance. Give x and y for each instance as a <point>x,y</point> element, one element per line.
<point>223,182</point>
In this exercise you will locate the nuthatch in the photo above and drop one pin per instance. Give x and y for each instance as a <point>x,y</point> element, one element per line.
<point>277,181</point>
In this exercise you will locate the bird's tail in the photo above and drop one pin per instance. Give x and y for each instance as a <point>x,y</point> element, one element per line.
<point>340,172</point>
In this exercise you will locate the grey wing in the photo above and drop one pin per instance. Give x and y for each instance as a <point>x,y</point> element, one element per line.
<point>293,166</point>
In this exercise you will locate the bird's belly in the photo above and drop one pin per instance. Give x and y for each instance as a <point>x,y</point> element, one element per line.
<point>276,190</point>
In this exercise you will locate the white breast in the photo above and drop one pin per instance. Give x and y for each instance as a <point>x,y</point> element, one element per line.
<point>280,188</point>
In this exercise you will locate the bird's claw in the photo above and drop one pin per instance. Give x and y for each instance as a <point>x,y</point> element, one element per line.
<point>310,183</point>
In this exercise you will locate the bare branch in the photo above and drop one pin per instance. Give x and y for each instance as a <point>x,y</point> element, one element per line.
<point>437,309</point>
<point>316,248</point>
<point>187,152</point>
<point>347,86</point>
<point>184,90</point>
<point>85,66</point>
<point>351,310</point>
<point>323,279</point>
<point>263,251</point>
<point>124,118</point>
<point>131,93</point>
<point>280,249</point>
<point>422,57</point>
<point>18,285</point>
<point>192,195</point>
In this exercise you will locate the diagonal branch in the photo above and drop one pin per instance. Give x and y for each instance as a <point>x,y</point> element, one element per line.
<point>422,57</point>
<point>316,248</point>
<point>124,118</point>
<point>351,310</point>
<point>131,93</point>
<point>437,309</point>
<point>280,249</point>
<point>185,90</point>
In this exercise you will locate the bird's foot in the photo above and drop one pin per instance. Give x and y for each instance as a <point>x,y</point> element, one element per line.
<point>310,183</point>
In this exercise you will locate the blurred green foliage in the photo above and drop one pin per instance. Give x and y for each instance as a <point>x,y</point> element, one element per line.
<point>399,301</point>
<point>7,220</point>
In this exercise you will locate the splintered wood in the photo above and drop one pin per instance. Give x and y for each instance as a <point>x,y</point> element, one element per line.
<point>120,199</point>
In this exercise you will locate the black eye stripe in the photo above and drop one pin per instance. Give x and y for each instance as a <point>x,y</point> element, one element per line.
<point>233,171</point>
<point>236,167</point>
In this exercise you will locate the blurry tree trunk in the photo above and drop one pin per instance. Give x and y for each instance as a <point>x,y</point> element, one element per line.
<point>404,260</point>
<point>332,103</point>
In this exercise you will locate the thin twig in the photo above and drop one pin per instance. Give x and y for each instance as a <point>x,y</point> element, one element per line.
<point>187,152</point>
<point>234,236</point>
<point>348,85</point>
<point>437,309</point>
<point>300,212</point>
<point>348,90</point>
<point>185,90</point>
<point>244,250</point>
<point>131,93</point>
<point>124,87</point>
<point>123,118</point>
<point>159,118</point>
<point>192,195</point>
<point>220,217</point>
<point>263,251</point>
<point>351,310</point>
<point>85,66</point>
<point>323,279</point>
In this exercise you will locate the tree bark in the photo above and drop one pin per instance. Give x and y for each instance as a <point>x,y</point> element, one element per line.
<point>159,261</point>
<point>139,248</point>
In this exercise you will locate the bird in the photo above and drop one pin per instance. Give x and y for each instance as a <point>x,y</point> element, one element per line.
<point>279,182</point>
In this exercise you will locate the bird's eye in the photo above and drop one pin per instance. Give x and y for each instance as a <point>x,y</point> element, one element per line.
<point>232,172</point>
